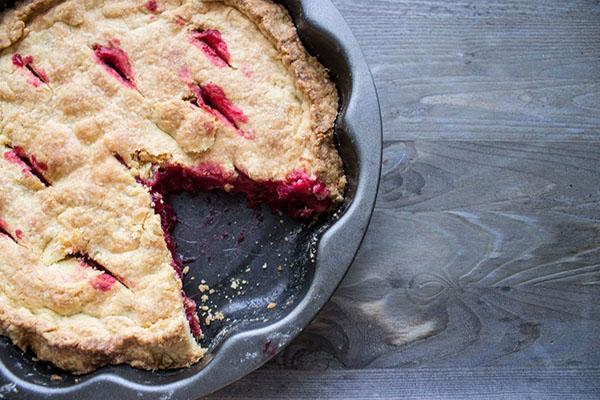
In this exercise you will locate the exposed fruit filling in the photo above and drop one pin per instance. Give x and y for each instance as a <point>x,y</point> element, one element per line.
<point>5,231</point>
<point>115,61</point>
<point>299,195</point>
<point>38,76</point>
<point>168,221</point>
<point>103,282</point>
<point>212,45</point>
<point>151,5</point>
<point>212,99</point>
<point>29,164</point>
<point>189,306</point>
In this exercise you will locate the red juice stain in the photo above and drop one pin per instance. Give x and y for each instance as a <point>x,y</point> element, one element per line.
<point>270,348</point>
<point>247,70</point>
<point>185,75</point>
<point>179,20</point>
<point>19,234</point>
<point>103,282</point>
<point>12,157</point>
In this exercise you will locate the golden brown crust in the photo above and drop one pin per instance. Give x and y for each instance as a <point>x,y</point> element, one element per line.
<point>77,122</point>
<point>80,356</point>
<point>13,21</point>
<point>311,78</point>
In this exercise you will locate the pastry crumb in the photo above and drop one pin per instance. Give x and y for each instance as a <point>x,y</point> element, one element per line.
<point>203,288</point>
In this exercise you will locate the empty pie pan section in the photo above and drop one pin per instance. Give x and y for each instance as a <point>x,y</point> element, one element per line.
<point>261,258</point>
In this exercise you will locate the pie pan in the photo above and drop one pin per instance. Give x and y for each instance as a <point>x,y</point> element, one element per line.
<point>271,274</point>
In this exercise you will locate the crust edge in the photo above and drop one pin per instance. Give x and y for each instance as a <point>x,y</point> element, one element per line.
<point>312,79</point>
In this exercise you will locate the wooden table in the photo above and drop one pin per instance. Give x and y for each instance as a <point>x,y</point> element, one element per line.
<point>479,276</point>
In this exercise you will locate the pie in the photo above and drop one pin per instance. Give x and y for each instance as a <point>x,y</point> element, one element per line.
<point>106,106</point>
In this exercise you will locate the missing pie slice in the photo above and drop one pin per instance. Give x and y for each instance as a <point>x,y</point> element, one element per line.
<point>107,106</point>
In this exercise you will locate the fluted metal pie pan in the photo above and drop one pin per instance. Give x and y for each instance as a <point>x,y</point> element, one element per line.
<point>251,257</point>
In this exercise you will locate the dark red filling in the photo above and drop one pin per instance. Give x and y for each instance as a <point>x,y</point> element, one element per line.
<point>168,221</point>
<point>212,99</point>
<point>38,75</point>
<point>29,164</point>
<point>299,195</point>
<point>151,5</point>
<point>115,61</point>
<point>212,45</point>
<point>189,306</point>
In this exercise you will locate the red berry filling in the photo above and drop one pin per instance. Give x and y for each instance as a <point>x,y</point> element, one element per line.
<point>189,306</point>
<point>168,221</point>
<point>38,76</point>
<point>212,45</point>
<point>4,230</point>
<point>299,194</point>
<point>151,5</point>
<point>115,61</point>
<point>212,99</point>
<point>103,282</point>
<point>29,164</point>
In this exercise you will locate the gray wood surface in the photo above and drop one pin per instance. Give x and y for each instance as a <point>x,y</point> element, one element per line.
<point>479,276</point>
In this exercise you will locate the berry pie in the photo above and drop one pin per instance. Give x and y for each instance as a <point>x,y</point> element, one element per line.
<point>106,106</point>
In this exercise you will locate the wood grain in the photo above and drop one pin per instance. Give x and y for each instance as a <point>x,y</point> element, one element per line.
<point>437,384</point>
<point>499,70</point>
<point>479,276</point>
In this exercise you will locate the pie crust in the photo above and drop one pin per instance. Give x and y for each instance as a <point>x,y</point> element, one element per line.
<point>107,106</point>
